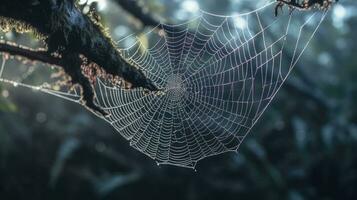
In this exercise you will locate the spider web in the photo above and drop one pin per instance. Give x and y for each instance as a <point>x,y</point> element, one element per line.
<point>218,75</point>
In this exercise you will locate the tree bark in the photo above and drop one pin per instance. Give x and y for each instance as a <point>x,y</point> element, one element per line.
<point>69,34</point>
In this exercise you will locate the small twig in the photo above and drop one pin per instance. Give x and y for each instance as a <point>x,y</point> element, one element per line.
<point>132,7</point>
<point>145,18</point>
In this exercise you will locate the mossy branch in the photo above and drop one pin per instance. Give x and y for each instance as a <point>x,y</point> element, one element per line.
<point>28,53</point>
<point>70,34</point>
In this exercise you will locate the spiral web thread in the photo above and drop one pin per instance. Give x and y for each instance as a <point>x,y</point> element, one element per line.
<point>218,75</point>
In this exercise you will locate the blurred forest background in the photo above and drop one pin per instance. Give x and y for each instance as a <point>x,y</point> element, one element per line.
<point>304,147</point>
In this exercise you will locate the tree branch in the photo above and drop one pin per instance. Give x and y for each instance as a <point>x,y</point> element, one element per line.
<point>132,7</point>
<point>70,34</point>
<point>28,53</point>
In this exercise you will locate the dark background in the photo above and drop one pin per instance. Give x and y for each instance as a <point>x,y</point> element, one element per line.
<point>304,147</point>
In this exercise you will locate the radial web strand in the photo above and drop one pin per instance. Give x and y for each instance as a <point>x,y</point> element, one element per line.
<point>217,73</point>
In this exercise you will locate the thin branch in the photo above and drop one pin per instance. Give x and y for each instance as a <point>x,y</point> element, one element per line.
<point>28,53</point>
<point>132,7</point>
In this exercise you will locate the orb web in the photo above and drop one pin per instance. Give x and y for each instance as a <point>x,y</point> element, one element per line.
<point>217,75</point>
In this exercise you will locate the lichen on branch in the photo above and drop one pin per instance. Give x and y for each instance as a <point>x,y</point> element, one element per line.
<point>70,36</point>
<point>303,4</point>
